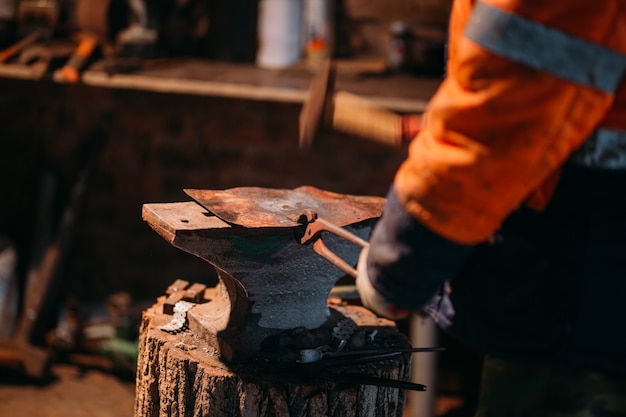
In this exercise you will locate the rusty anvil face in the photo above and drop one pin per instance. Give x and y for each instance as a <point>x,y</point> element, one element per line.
<point>269,281</point>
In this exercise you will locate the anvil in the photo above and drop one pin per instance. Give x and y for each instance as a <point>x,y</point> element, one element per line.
<point>271,279</point>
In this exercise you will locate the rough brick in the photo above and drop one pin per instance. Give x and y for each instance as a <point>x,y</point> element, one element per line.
<point>410,11</point>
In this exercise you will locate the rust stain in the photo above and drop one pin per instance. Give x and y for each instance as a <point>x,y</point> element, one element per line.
<point>257,207</point>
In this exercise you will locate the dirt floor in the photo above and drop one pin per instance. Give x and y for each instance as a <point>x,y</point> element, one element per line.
<point>73,393</point>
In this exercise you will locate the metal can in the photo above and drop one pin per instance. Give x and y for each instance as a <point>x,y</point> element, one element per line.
<point>318,29</point>
<point>398,46</point>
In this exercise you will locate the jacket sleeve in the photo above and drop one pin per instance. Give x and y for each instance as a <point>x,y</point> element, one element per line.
<point>499,126</point>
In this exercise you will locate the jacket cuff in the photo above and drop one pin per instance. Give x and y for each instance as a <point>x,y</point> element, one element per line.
<point>407,263</point>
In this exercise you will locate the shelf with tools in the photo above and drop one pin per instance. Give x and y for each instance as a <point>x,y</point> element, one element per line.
<point>139,45</point>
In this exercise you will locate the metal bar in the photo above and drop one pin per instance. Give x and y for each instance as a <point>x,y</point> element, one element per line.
<point>325,226</point>
<point>320,247</point>
<point>313,233</point>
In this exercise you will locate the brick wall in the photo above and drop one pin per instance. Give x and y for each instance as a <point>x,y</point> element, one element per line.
<point>412,11</point>
<point>155,145</point>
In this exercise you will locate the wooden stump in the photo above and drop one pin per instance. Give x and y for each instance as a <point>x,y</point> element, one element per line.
<point>181,375</point>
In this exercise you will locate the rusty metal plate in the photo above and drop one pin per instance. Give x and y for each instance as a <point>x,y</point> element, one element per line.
<point>256,207</point>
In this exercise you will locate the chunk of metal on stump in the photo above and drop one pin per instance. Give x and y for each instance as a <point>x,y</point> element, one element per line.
<point>265,341</point>
<point>268,281</point>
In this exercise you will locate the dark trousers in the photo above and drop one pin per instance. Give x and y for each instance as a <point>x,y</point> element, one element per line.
<point>515,389</point>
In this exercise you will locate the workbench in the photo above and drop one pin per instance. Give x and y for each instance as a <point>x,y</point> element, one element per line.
<point>397,92</point>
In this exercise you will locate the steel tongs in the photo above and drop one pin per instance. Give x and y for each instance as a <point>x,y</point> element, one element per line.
<point>339,367</point>
<point>313,234</point>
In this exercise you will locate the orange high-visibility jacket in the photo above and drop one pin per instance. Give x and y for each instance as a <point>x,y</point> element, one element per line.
<point>527,83</point>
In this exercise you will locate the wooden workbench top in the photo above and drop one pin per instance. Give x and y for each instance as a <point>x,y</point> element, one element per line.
<point>399,92</point>
<point>396,92</point>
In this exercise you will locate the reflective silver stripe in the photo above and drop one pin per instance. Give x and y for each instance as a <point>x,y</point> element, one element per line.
<point>544,48</point>
<point>605,149</point>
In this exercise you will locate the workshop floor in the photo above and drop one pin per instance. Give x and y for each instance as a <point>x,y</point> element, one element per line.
<point>94,393</point>
<point>73,393</point>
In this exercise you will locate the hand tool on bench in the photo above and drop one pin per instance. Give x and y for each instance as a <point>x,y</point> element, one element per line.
<point>16,48</point>
<point>23,351</point>
<point>94,30</point>
<point>350,113</point>
<point>70,72</point>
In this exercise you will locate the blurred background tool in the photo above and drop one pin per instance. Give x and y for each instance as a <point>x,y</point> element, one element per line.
<point>94,16</point>
<point>7,23</point>
<point>24,350</point>
<point>18,47</point>
<point>350,113</point>
<point>35,21</point>
<point>99,335</point>
<point>40,15</point>
<point>138,40</point>
<point>8,287</point>
<point>84,52</point>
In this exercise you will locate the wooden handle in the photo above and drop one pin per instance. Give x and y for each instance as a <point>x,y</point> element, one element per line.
<point>357,116</point>
<point>10,357</point>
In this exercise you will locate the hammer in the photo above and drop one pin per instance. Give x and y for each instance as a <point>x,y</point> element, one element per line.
<point>351,114</point>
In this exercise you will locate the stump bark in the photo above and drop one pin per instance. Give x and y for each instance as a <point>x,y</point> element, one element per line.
<point>182,375</point>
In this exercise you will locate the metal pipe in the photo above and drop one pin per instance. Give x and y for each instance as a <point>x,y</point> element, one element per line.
<point>422,333</point>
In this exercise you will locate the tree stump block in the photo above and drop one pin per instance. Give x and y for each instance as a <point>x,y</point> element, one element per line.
<point>182,375</point>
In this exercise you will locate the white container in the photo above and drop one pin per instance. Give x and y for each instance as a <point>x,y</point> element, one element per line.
<point>279,31</point>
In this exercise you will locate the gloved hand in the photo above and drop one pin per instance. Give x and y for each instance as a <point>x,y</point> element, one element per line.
<point>371,298</point>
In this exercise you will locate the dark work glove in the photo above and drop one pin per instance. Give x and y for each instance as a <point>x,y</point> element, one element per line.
<point>407,263</point>
<point>371,298</point>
